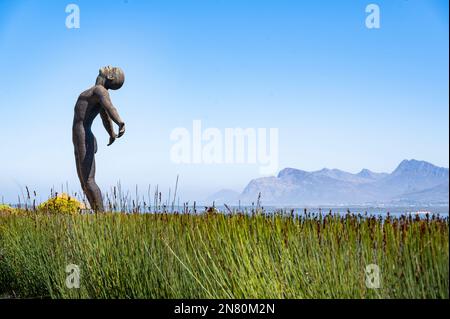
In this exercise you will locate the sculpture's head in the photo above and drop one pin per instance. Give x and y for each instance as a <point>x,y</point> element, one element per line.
<point>110,77</point>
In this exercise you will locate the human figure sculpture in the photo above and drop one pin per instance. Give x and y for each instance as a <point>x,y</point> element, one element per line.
<point>90,103</point>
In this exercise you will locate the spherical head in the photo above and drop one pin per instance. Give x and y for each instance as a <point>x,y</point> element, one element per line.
<point>114,77</point>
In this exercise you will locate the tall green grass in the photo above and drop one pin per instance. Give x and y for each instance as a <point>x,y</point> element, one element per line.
<point>222,256</point>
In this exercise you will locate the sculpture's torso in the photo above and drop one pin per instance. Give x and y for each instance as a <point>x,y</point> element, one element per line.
<point>86,109</point>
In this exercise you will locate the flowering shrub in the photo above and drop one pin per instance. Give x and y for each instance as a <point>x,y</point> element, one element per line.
<point>6,209</point>
<point>62,204</point>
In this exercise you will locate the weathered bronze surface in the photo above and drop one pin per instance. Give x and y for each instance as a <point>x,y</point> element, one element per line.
<point>90,103</point>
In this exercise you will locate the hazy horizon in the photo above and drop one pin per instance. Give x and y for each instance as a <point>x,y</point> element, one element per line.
<point>147,191</point>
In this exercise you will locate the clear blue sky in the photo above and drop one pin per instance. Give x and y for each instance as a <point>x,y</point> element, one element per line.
<point>341,95</point>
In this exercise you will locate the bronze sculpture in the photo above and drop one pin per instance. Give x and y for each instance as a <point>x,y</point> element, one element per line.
<point>90,103</point>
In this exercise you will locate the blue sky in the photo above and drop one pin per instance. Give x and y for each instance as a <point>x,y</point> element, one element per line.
<point>341,95</point>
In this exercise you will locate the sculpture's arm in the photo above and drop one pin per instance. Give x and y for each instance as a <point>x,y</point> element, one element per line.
<point>111,111</point>
<point>108,125</point>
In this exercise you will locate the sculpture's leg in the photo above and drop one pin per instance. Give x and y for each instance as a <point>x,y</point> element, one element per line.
<point>80,153</point>
<point>92,190</point>
<point>79,173</point>
<point>87,172</point>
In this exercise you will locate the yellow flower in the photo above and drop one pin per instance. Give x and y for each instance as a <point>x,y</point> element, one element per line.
<point>62,204</point>
<point>6,209</point>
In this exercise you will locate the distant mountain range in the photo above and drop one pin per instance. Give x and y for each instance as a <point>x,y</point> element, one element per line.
<point>412,182</point>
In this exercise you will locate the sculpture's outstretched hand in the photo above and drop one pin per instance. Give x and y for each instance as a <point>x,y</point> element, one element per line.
<point>111,140</point>
<point>121,129</point>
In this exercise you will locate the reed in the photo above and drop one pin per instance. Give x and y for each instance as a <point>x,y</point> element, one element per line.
<point>222,255</point>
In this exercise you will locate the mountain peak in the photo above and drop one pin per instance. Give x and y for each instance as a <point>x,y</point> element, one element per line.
<point>368,174</point>
<point>412,162</point>
<point>365,173</point>
<point>287,172</point>
<point>413,166</point>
